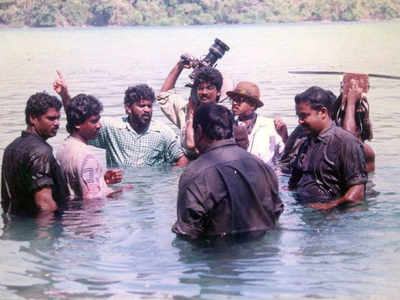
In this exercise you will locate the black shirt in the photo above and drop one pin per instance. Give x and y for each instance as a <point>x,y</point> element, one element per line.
<point>227,191</point>
<point>29,165</point>
<point>328,165</point>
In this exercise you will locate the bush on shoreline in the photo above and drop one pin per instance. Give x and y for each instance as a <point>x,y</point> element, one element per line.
<point>51,13</point>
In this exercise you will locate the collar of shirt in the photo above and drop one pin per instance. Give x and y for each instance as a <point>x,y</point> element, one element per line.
<point>322,137</point>
<point>26,133</point>
<point>219,144</point>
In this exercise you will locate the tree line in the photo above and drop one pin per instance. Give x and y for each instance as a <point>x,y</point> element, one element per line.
<point>50,13</point>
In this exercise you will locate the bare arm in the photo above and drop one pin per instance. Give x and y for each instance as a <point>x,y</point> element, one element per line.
<point>44,200</point>
<point>354,194</point>
<point>281,129</point>
<point>173,75</point>
<point>182,161</point>
<point>189,136</point>
<point>349,121</point>
<point>369,157</point>
<point>60,87</point>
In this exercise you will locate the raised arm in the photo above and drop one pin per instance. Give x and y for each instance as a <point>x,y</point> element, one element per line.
<point>173,75</point>
<point>349,121</point>
<point>60,87</point>
<point>281,129</point>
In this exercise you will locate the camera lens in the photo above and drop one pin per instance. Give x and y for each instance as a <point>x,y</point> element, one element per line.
<point>216,51</point>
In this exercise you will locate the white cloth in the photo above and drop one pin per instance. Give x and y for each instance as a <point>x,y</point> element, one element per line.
<point>264,141</point>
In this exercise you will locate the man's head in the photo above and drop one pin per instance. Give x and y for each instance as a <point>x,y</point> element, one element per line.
<point>42,114</point>
<point>139,103</point>
<point>83,116</point>
<point>314,109</point>
<point>208,84</point>
<point>211,123</point>
<point>245,98</point>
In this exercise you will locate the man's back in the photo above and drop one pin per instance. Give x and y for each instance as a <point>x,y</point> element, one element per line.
<point>29,165</point>
<point>227,191</point>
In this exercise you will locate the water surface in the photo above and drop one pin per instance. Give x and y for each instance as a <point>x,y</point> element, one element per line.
<point>123,248</point>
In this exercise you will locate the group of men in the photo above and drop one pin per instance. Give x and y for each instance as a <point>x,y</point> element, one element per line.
<point>229,186</point>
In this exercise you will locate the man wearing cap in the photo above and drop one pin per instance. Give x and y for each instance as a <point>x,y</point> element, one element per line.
<point>263,138</point>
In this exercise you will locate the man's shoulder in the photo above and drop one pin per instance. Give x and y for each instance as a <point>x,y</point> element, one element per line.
<point>160,127</point>
<point>172,96</point>
<point>341,135</point>
<point>114,122</point>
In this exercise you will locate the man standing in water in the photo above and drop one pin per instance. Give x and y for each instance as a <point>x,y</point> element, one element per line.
<point>32,182</point>
<point>135,140</point>
<point>330,166</point>
<point>263,140</point>
<point>206,88</point>
<point>85,176</point>
<point>226,191</point>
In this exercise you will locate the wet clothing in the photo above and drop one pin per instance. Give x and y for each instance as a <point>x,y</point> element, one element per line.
<point>28,166</point>
<point>328,165</point>
<point>82,170</point>
<point>125,147</point>
<point>227,191</point>
<point>264,141</point>
<point>291,149</point>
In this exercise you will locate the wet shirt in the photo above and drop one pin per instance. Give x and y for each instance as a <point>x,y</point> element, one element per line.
<point>82,170</point>
<point>291,149</point>
<point>328,165</point>
<point>28,166</point>
<point>227,191</point>
<point>125,147</point>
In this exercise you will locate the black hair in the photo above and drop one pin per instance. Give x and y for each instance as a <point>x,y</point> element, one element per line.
<point>38,104</point>
<point>138,92</point>
<point>318,98</point>
<point>210,75</point>
<point>81,108</point>
<point>215,120</point>
<point>361,116</point>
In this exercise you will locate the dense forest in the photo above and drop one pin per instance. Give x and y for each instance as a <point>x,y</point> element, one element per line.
<point>45,13</point>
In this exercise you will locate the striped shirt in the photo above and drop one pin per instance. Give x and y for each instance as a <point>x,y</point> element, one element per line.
<point>124,147</point>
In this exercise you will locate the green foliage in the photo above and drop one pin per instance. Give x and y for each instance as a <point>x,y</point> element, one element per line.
<point>185,12</point>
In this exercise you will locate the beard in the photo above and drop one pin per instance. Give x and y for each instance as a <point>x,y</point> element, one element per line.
<point>140,121</point>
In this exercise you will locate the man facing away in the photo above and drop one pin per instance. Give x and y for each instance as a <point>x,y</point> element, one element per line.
<point>83,172</point>
<point>179,110</point>
<point>330,166</point>
<point>263,139</point>
<point>135,140</point>
<point>32,181</point>
<point>226,191</point>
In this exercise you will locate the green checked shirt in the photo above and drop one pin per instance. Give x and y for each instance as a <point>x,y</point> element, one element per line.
<point>126,148</point>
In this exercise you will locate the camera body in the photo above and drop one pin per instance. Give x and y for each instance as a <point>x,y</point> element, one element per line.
<point>215,52</point>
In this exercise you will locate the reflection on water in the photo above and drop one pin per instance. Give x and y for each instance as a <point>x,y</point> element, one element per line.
<point>124,248</point>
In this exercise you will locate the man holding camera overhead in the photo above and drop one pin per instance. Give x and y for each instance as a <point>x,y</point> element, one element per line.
<point>206,88</point>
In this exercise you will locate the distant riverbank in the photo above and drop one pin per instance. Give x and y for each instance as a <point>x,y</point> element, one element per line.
<point>61,13</point>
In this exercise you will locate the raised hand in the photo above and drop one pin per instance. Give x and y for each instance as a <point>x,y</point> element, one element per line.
<point>281,129</point>
<point>59,85</point>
